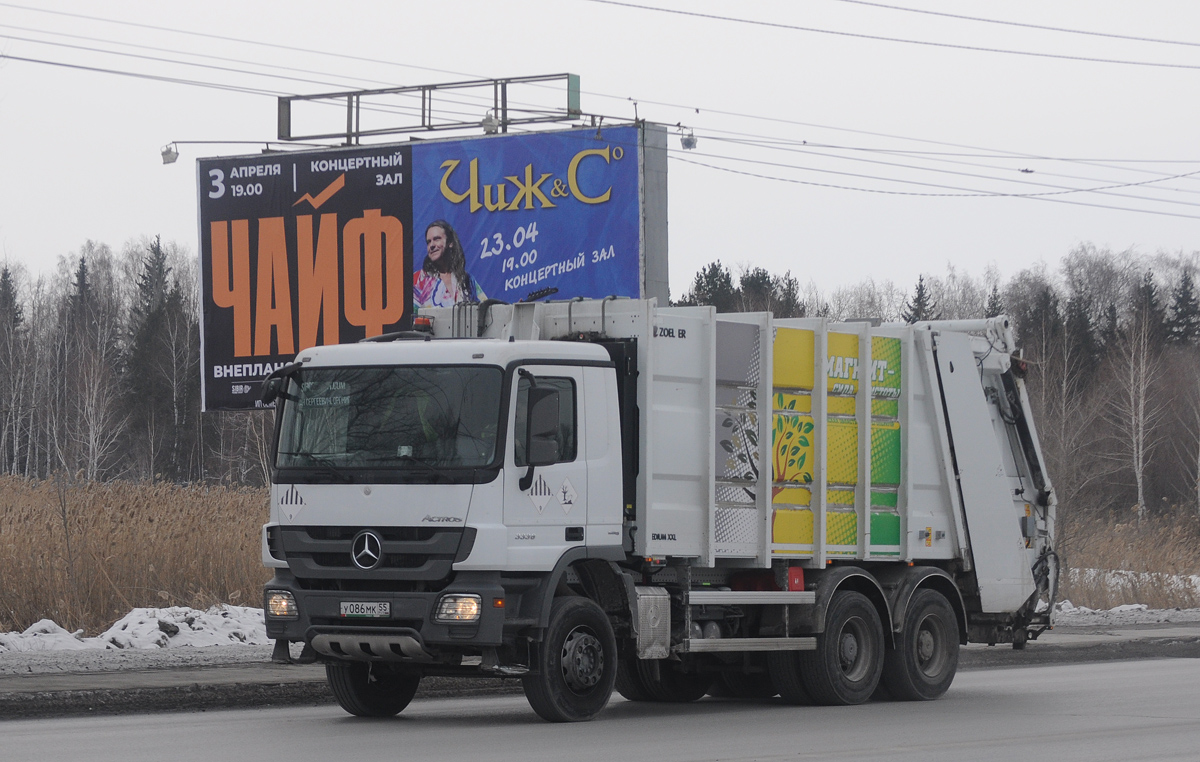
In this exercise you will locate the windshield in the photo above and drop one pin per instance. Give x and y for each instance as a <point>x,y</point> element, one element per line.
<point>390,417</point>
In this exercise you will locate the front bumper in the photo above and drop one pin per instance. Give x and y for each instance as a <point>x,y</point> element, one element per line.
<point>409,633</point>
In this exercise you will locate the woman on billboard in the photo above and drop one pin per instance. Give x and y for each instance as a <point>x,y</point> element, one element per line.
<point>443,280</point>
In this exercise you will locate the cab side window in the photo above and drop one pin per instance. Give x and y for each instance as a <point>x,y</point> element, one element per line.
<point>567,446</point>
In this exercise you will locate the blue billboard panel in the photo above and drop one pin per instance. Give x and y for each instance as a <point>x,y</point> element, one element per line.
<point>507,216</point>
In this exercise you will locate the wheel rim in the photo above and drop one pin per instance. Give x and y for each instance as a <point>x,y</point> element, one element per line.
<point>582,660</point>
<point>929,646</point>
<point>854,649</point>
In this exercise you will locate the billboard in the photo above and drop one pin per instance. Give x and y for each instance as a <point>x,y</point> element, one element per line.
<point>322,247</point>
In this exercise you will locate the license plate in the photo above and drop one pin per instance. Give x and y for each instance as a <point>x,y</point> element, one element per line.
<point>367,609</point>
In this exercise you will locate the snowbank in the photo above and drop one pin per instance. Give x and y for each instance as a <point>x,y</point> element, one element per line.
<point>179,626</point>
<point>172,627</point>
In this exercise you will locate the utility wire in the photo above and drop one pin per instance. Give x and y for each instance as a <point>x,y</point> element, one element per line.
<point>665,104</point>
<point>224,38</point>
<point>141,75</point>
<point>814,150</point>
<point>208,56</point>
<point>969,191</point>
<point>397,109</point>
<point>905,193</point>
<point>862,36</point>
<point>1024,25</point>
<point>144,57</point>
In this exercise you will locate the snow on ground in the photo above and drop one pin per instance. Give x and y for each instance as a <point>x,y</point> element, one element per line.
<point>153,638</point>
<point>172,627</point>
<point>1070,615</point>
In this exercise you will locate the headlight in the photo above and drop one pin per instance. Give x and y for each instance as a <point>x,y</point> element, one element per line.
<point>281,605</point>
<point>458,608</point>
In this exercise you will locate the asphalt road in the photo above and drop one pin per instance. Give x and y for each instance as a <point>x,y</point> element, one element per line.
<point>1125,710</point>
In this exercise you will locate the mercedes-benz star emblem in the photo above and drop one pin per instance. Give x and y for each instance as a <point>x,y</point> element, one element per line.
<point>366,550</point>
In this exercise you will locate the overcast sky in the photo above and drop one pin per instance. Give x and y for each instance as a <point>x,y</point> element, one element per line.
<point>873,157</point>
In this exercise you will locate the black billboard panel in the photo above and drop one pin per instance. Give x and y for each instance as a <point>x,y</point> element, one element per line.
<point>299,250</point>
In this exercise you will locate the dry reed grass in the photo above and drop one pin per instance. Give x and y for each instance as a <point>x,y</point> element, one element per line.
<point>85,553</point>
<point>1115,563</point>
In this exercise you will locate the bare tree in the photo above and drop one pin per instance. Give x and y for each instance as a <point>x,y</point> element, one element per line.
<point>1136,408</point>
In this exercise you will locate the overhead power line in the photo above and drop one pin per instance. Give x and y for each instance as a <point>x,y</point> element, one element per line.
<point>225,38</point>
<point>142,75</point>
<point>1107,189</point>
<point>1022,25</point>
<point>1060,190</point>
<point>207,56</point>
<point>912,193</point>
<point>766,143</point>
<point>882,38</point>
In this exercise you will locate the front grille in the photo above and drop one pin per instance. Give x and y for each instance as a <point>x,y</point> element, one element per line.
<point>389,534</point>
<point>373,585</point>
<point>408,553</point>
<point>350,624</point>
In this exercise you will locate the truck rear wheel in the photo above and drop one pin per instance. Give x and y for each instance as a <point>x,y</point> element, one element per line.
<point>922,665</point>
<point>370,690</point>
<point>577,663</point>
<point>629,681</point>
<point>785,677</point>
<point>847,663</point>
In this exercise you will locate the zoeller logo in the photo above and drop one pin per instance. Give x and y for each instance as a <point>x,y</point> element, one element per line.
<point>367,550</point>
<point>443,519</point>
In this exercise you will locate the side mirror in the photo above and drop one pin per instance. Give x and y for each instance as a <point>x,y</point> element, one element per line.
<point>271,389</point>
<point>544,416</point>
<point>274,384</point>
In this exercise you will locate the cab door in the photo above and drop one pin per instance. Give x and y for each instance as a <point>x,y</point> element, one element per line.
<point>549,516</point>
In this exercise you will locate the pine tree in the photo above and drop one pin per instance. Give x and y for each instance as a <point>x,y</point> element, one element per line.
<point>921,306</point>
<point>11,313</point>
<point>1110,328</point>
<point>81,300</point>
<point>995,305</point>
<point>152,284</point>
<point>1082,346</point>
<point>1183,326</point>
<point>1148,311</point>
<point>712,286</point>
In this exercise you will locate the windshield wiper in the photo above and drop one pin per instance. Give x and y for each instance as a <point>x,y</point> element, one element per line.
<point>324,466</point>
<point>418,461</point>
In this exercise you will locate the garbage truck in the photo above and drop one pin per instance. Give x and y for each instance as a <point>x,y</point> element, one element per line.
<point>669,502</point>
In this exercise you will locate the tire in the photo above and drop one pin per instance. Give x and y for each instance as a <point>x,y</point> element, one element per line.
<point>672,684</point>
<point>577,663</point>
<point>370,690</point>
<point>922,665</point>
<point>846,666</point>
<point>784,667</point>
<point>629,681</point>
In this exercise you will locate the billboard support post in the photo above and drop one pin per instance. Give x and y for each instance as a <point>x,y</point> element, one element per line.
<point>500,98</point>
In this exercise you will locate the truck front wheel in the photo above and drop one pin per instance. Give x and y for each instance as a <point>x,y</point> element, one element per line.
<point>577,663</point>
<point>922,665</point>
<point>846,665</point>
<point>370,690</point>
